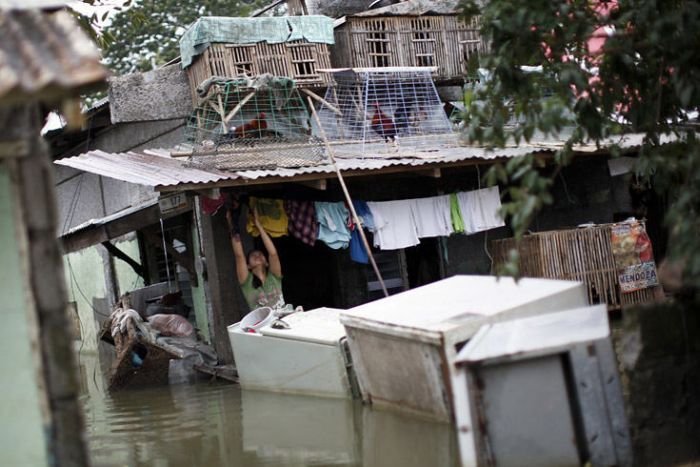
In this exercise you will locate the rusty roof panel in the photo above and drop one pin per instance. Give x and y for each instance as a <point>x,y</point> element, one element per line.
<point>44,55</point>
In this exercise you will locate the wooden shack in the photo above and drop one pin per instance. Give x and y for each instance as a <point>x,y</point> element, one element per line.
<point>293,46</point>
<point>415,33</point>
<point>582,254</point>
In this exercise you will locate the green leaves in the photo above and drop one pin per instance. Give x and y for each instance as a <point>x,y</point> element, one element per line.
<point>645,79</point>
<point>147,34</point>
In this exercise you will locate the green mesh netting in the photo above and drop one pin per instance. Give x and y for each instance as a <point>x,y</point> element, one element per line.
<point>259,122</point>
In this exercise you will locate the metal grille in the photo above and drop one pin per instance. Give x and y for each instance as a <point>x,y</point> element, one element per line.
<point>380,111</point>
<point>257,122</point>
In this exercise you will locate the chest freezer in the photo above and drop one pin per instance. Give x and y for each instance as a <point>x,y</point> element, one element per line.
<point>541,391</point>
<point>309,357</point>
<point>403,346</point>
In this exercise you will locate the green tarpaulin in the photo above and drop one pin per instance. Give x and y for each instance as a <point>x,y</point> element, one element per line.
<point>274,30</point>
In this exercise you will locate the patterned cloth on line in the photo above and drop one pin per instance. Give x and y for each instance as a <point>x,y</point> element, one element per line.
<point>302,220</point>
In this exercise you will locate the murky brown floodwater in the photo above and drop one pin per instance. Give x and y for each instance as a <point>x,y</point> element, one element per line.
<point>221,425</point>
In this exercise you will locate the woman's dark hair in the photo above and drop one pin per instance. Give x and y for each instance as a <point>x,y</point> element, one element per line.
<point>257,283</point>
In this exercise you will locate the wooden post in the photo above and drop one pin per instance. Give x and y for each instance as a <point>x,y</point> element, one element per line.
<point>33,175</point>
<point>227,303</point>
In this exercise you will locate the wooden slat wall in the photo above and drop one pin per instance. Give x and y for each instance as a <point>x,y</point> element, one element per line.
<point>576,254</point>
<point>453,42</point>
<point>277,59</point>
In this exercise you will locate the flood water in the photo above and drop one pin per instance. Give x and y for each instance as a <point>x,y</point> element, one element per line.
<point>222,425</point>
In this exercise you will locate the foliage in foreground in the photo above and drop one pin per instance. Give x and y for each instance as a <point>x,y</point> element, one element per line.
<point>645,78</point>
<point>147,34</point>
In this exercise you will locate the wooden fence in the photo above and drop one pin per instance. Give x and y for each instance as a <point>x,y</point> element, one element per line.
<point>583,254</point>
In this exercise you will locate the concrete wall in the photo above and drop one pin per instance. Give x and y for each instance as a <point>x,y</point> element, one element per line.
<point>127,278</point>
<point>160,94</point>
<point>87,289</point>
<point>22,440</point>
<point>84,196</point>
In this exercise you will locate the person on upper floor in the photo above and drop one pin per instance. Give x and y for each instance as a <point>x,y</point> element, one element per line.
<point>259,276</point>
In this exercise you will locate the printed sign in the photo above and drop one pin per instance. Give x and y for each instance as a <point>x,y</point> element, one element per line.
<point>634,258</point>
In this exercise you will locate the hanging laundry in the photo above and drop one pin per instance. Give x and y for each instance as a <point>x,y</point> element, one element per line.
<point>395,226</point>
<point>432,216</point>
<point>480,209</point>
<point>364,214</point>
<point>456,214</point>
<point>302,220</point>
<point>211,206</point>
<point>332,224</point>
<point>271,214</point>
<point>358,253</point>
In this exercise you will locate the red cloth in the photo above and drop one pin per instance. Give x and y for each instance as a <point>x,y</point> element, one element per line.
<point>212,205</point>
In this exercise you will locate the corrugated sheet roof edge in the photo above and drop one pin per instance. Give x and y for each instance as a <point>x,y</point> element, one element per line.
<point>162,171</point>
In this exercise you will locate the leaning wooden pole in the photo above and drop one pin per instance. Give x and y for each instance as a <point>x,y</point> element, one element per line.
<point>355,217</point>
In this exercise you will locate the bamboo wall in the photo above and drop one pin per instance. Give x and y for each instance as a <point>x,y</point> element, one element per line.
<point>575,254</point>
<point>299,60</point>
<point>444,42</point>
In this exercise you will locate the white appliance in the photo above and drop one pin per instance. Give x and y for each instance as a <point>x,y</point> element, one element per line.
<point>541,391</point>
<point>309,357</point>
<point>403,346</point>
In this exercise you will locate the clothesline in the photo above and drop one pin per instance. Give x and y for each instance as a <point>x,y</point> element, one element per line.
<point>394,224</point>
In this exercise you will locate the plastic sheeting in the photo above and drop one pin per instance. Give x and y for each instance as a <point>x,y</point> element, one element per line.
<point>274,30</point>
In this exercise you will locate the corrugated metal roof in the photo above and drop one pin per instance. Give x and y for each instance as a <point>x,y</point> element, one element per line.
<point>107,219</point>
<point>44,55</point>
<point>157,169</point>
<point>147,169</point>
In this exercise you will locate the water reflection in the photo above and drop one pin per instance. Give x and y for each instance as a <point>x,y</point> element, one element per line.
<point>221,425</point>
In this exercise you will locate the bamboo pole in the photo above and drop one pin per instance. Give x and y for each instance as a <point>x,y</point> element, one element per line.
<point>355,218</point>
<point>235,110</point>
<point>320,99</point>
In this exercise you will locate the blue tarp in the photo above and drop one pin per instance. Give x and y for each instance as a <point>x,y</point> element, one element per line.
<point>274,30</point>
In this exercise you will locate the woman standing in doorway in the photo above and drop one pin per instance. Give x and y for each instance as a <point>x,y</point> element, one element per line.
<point>260,277</point>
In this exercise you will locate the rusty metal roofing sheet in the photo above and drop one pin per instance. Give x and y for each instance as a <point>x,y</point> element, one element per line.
<point>44,54</point>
